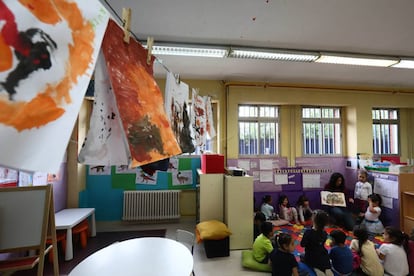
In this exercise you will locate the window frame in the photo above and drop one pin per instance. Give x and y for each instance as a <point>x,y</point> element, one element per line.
<point>322,121</point>
<point>260,120</point>
<point>381,122</point>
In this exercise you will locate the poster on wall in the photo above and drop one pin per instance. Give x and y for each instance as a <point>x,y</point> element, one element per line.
<point>43,80</point>
<point>99,170</point>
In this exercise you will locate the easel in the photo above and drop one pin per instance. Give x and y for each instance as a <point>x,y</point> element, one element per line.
<point>26,218</point>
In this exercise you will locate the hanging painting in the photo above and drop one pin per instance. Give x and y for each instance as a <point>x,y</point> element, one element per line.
<point>176,107</point>
<point>198,120</point>
<point>48,51</point>
<point>145,124</point>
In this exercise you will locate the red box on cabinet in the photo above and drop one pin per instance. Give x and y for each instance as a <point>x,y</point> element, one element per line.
<point>212,163</point>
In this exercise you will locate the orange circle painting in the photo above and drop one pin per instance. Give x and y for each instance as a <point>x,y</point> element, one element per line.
<point>36,72</point>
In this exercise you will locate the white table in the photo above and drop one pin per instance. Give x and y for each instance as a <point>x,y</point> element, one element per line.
<point>69,218</point>
<point>140,256</point>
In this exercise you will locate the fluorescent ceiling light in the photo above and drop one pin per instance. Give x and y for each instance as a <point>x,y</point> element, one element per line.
<point>273,54</point>
<point>193,51</point>
<point>357,60</point>
<point>404,63</point>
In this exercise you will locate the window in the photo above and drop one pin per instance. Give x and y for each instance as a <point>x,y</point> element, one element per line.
<point>385,127</point>
<point>258,130</point>
<point>321,130</point>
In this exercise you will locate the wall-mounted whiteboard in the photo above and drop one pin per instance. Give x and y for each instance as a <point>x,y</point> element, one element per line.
<point>23,215</point>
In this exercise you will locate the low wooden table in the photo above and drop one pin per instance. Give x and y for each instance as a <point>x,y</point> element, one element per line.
<point>69,218</point>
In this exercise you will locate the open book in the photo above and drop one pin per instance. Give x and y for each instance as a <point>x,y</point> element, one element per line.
<point>333,198</point>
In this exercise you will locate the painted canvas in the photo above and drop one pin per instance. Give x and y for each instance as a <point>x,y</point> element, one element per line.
<point>48,51</point>
<point>138,97</point>
<point>177,109</point>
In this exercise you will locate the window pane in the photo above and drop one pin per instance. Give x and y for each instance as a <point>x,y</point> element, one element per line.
<point>258,130</point>
<point>321,130</point>
<point>385,129</point>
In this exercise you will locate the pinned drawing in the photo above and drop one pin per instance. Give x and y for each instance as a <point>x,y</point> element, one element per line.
<point>176,106</point>
<point>145,124</point>
<point>146,178</point>
<point>47,53</point>
<point>182,178</point>
<point>198,120</point>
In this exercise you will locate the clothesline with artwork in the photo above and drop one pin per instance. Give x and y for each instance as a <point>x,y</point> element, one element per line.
<point>128,124</point>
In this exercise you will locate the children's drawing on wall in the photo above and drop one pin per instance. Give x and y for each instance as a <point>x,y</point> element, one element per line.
<point>42,78</point>
<point>182,178</point>
<point>99,170</point>
<point>25,179</point>
<point>105,143</point>
<point>173,164</point>
<point>145,124</point>
<point>8,175</point>
<point>53,177</point>
<point>145,177</point>
<point>198,120</point>
<point>39,178</point>
<point>124,169</point>
<point>176,107</point>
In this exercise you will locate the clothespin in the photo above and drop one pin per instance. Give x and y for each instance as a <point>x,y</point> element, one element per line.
<point>177,78</point>
<point>150,43</point>
<point>126,21</point>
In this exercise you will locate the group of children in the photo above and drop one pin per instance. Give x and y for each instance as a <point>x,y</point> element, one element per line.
<point>361,257</point>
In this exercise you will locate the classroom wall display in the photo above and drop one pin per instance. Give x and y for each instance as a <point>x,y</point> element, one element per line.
<point>105,192</point>
<point>177,109</point>
<point>43,79</point>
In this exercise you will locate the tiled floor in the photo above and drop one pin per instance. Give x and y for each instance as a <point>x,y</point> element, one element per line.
<point>203,266</point>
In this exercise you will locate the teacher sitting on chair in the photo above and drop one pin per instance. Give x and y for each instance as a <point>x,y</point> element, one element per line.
<point>342,215</point>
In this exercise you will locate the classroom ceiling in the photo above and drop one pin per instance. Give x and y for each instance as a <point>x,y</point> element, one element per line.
<point>380,27</point>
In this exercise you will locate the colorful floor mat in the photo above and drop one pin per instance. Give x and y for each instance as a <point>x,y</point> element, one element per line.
<point>297,231</point>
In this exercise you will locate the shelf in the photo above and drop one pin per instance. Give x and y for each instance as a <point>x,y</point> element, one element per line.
<point>409,193</point>
<point>409,217</point>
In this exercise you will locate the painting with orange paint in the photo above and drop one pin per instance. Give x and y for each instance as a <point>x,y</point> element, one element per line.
<point>139,99</point>
<point>48,50</point>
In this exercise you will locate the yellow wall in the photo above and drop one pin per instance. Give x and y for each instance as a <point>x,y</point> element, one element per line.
<point>357,132</point>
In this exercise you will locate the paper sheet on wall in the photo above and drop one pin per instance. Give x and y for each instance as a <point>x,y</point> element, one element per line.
<point>311,180</point>
<point>385,187</point>
<point>266,164</point>
<point>244,164</point>
<point>266,176</point>
<point>44,81</point>
<point>387,202</point>
<point>256,175</point>
<point>281,179</point>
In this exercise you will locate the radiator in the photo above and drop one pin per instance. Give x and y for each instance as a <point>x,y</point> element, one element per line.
<point>151,205</point>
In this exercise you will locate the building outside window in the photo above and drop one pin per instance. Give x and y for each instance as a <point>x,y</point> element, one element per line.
<point>385,131</point>
<point>258,130</point>
<point>321,128</point>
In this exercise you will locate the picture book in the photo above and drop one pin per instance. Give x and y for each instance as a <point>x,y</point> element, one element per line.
<point>333,198</point>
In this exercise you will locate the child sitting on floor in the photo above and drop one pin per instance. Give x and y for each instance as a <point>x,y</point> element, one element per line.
<point>393,252</point>
<point>304,211</point>
<point>361,245</point>
<point>316,256</point>
<point>287,212</point>
<point>283,261</point>
<point>267,208</point>
<point>341,255</point>
<point>259,218</point>
<point>262,246</point>
<point>371,220</point>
